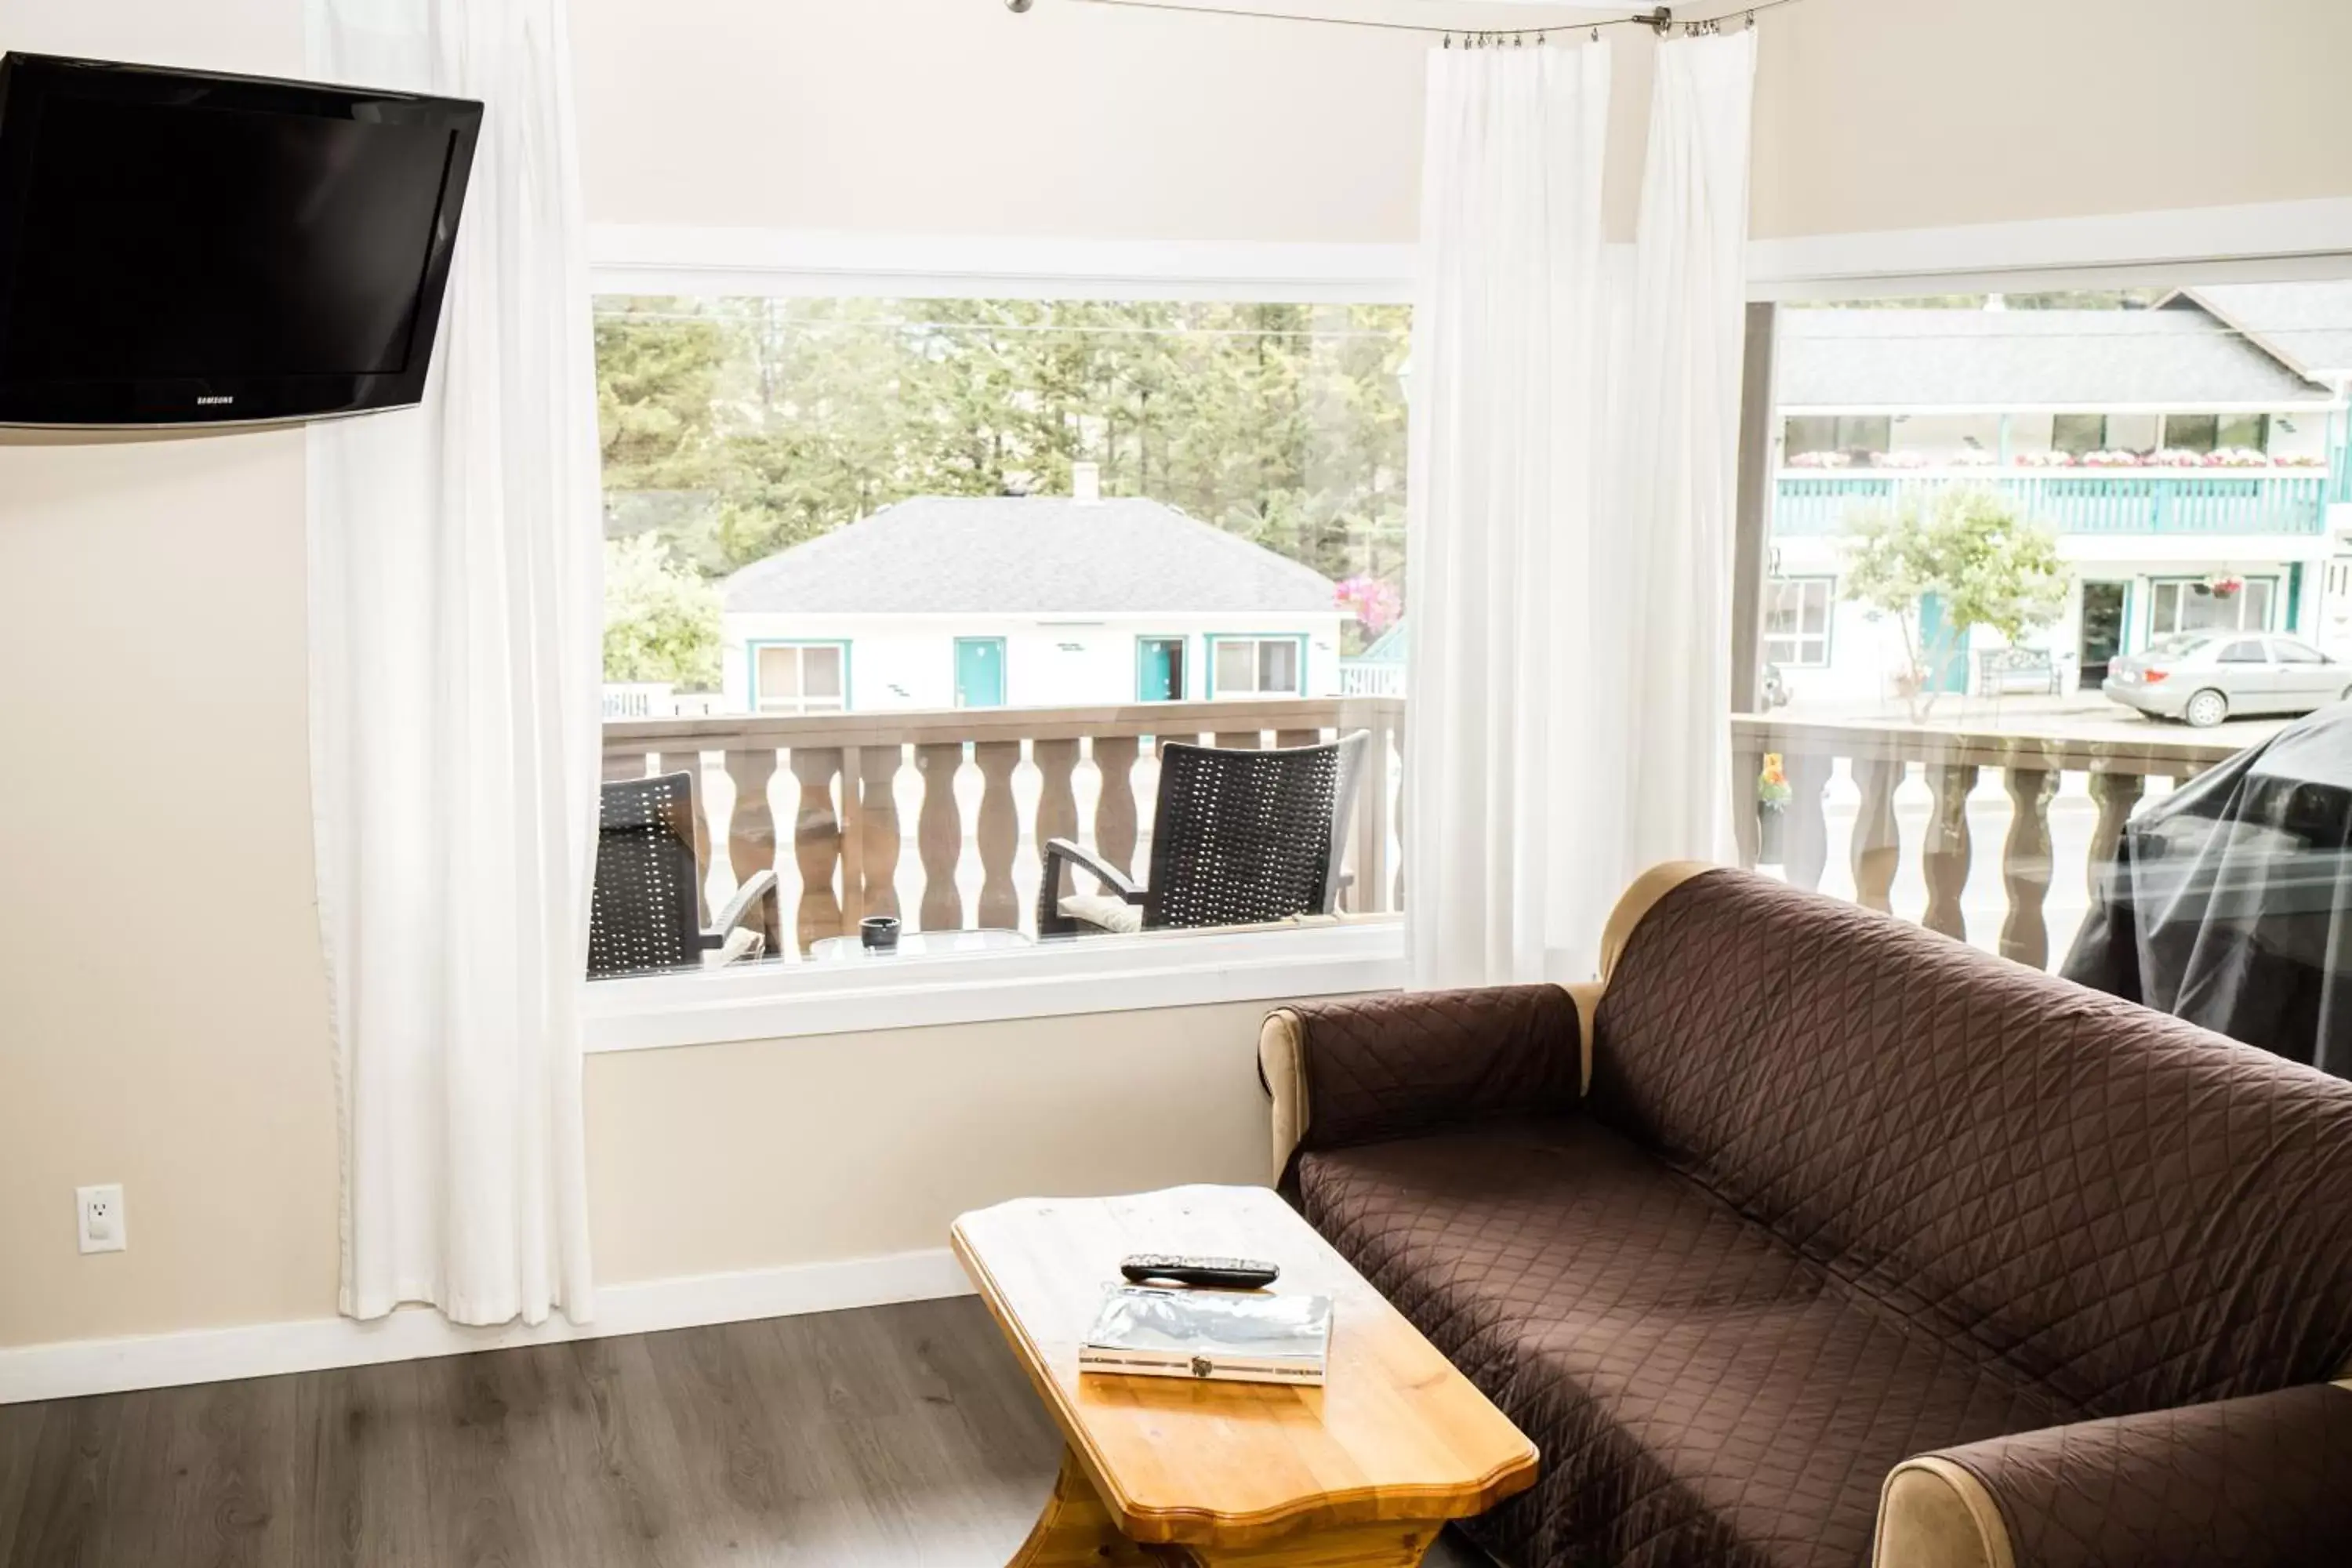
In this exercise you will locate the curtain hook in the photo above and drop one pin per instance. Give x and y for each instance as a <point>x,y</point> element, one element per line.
<point>1751,21</point>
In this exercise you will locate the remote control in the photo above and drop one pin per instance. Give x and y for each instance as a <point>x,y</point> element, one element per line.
<point>1221,1273</point>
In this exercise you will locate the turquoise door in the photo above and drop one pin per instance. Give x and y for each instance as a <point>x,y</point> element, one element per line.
<point>1946,657</point>
<point>980,672</point>
<point>1160,669</point>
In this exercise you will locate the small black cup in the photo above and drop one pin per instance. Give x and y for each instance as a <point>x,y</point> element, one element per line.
<point>879,932</point>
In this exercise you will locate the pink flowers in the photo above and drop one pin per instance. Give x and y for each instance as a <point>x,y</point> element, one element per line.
<point>1821,461</point>
<point>1372,602</point>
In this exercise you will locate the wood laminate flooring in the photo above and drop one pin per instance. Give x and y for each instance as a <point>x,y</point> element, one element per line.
<point>875,1438</point>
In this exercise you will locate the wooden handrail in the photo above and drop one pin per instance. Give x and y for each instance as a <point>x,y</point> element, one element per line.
<point>2160,752</point>
<point>926,726</point>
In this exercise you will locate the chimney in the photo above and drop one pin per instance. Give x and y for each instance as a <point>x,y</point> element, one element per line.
<point>1085,483</point>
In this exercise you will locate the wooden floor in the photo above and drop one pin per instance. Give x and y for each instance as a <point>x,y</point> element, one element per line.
<point>866,1440</point>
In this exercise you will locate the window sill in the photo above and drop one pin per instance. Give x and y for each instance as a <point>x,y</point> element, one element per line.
<point>1094,975</point>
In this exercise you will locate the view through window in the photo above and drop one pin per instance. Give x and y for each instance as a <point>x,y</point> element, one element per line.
<point>906,588</point>
<point>2033,562</point>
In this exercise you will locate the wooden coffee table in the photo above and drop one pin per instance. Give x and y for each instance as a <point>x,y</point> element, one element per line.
<point>1362,1471</point>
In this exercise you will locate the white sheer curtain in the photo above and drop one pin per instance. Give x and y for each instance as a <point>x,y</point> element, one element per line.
<point>1573,457</point>
<point>1676,444</point>
<point>1505,427</point>
<point>456,598</point>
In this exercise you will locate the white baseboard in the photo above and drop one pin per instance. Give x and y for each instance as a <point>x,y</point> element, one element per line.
<point>264,1350</point>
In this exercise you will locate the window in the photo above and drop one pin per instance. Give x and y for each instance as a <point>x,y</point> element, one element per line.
<point>2243,432</point>
<point>1796,622</point>
<point>2000,573</point>
<point>2177,606</point>
<point>2191,432</point>
<point>2076,434</point>
<point>1255,667</point>
<point>800,678</point>
<point>2290,651</point>
<point>2246,651</point>
<point>905,570</point>
<point>1855,437</point>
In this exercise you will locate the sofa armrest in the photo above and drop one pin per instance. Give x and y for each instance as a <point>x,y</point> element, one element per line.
<point>1387,1067</point>
<point>2260,1482</point>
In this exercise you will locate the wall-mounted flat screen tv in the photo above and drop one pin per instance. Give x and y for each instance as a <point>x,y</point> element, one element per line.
<point>178,247</point>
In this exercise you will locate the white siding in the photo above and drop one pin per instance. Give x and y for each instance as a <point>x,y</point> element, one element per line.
<point>906,662</point>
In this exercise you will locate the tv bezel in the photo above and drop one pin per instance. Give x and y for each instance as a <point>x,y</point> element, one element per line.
<point>178,402</point>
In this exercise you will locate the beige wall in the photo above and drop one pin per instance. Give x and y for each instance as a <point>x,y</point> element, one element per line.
<point>1882,114</point>
<point>711,1158</point>
<point>160,1002</point>
<point>1083,121</point>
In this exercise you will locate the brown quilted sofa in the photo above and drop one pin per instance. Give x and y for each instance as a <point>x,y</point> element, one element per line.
<point>1809,1238</point>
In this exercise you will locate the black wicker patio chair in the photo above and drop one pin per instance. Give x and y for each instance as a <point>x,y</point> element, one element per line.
<point>1238,837</point>
<point>647,910</point>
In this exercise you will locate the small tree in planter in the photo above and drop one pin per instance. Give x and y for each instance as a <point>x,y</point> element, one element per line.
<point>1972,548</point>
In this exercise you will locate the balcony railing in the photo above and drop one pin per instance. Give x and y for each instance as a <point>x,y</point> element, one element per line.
<point>942,814</point>
<point>2272,501</point>
<point>1862,775</point>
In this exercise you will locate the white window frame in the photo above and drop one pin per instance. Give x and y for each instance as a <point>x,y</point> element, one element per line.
<point>1828,634</point>
<point>1090,974</point>
<point>1257,643</point>
<point>757,648</point>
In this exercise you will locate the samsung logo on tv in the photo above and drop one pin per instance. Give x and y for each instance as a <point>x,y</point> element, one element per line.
<point>211,402</point>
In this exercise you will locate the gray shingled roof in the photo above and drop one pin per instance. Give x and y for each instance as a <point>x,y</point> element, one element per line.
<point>2307,324</point>
<point>2087,360</point>
<point>1027,555</point>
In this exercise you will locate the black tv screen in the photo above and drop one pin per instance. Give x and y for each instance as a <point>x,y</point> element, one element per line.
<point>178,248</point>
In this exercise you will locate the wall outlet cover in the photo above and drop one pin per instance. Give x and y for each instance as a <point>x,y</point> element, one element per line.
<point>102,1226</point>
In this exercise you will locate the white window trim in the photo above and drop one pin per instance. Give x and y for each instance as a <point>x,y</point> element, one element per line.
<point>1090,974</point>
<point>2268,241</point>
<point>629,259</point>
<point>1827,636</point>
<point>1084,974</point>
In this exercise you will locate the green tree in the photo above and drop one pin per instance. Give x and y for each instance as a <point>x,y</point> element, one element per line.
<point>1970,546</point>
<point>740,427</point>
<point>661,620</point>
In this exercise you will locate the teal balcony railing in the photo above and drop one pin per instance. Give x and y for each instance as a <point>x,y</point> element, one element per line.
<point>2129,503</point>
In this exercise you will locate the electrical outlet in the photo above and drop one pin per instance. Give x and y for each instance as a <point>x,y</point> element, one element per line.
<point>104,1228</point>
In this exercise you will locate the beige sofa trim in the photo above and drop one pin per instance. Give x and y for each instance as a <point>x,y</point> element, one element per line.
<point>1586,994</point>
<point>1281,1040</point>
<point>1282,1056</point>
<point>1637,900</point>
<point>1934,1514</point>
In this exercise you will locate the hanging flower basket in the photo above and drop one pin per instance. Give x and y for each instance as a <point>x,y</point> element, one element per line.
<point>2223,585</point>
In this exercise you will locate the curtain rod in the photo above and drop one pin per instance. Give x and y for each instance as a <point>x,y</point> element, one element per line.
<point>1661,21</point>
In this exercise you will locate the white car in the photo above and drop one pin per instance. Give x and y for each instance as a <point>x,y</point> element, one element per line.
<point>2207,676</point>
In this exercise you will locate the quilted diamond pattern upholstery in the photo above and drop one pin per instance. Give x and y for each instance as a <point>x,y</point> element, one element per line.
<point>1842,1192</point>
<point>2258,1482</point>
<point>2126,1209</point>
<point>1700,1392</point>
<point>1380,1066</point>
